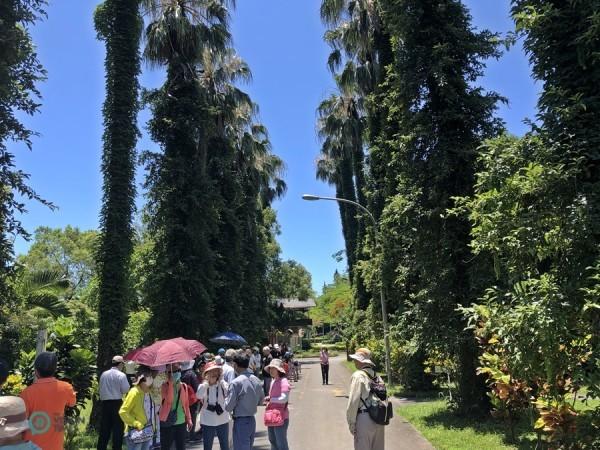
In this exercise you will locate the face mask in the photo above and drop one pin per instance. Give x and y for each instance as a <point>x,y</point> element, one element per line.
<point>148,381</point>
<point>176,376</point>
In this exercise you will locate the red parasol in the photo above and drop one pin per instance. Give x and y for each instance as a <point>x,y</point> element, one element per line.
<point>166,352</point>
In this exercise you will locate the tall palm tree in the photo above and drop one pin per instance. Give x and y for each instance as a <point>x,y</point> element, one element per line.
<point>183,194</point>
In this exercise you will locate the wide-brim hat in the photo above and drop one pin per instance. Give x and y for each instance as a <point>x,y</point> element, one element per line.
<point>276,364</point>
<point>13,417</point>
<point>187,365</point>
<point>363,355</point>
<point>211,366</point>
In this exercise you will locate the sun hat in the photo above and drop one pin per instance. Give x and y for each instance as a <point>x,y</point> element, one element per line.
<point>117,359</point>
<point>363,355</point>
<point>211,366</point>
<point>276,364</point>
<point>187,365</point>
<point>13,417</point>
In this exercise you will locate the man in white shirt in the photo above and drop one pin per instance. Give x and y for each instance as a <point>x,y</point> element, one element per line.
<point>228,371</point>
<point>113,386</point>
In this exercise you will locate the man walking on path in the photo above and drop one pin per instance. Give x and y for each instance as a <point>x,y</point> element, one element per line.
<point>46,400</point>
<point>367,434</point>
<point>244,395</point>
<point>113,386</point>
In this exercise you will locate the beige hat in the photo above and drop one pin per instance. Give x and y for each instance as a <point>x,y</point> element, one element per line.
<point>13,417</point>
<point>211,366</point>
<point>117,359</point>
<point>363,355</point>
<point>276,364</point>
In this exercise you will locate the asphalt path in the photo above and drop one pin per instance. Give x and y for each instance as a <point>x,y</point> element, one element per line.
<point>318,415</point>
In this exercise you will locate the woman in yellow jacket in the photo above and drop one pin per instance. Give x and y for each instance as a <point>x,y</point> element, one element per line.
<point>137,413</point>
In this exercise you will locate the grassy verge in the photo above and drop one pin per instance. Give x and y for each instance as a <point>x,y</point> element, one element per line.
<point>446,431</point>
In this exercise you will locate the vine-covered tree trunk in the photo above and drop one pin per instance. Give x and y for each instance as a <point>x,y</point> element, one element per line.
<point>119,25</point>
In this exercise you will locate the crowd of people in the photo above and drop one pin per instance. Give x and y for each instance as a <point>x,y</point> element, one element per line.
<point>213,396</point>
<point>210,397</point>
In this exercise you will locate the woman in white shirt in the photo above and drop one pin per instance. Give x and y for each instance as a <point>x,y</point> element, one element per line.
<point>213,417</point>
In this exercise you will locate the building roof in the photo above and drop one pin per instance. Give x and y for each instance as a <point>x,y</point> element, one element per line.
<point>294,303</point>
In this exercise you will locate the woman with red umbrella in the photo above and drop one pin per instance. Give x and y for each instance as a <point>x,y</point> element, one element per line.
<point>175,416</point>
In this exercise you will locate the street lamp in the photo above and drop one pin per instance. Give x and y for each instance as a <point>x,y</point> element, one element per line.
<point>386,333</point>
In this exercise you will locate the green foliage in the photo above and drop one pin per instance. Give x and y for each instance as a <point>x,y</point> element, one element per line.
<point>14,385</point>
<point>334,303</point>
<point>76,365</point>
<point>290,279</point>
<point>20,72</point>
<point>534,217</point>
<point>68,251</point>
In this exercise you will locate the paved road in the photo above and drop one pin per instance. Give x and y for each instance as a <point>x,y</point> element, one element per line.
<point>318,415</point>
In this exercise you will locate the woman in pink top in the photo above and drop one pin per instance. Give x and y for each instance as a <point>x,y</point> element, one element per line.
<point>278,398</point>
<point>325,365</point>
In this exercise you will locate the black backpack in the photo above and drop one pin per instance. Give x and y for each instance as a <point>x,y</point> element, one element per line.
<point>380,410</point>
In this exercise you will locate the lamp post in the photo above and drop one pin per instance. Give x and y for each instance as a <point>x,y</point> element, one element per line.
<point>386,334</point>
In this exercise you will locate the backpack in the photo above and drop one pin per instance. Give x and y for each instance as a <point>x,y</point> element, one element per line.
<point>380,409</point>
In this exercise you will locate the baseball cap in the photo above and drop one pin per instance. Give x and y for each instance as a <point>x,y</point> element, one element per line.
<point>117,359</point>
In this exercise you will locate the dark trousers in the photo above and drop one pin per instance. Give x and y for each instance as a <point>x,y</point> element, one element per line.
<point>192,435</point>
<point>325,373</point>
<point>175,433</point>
<point>222,433</point>
<point>244,429</point>
<point>111,423</point>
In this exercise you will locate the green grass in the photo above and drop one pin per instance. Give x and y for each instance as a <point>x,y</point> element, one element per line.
<point>446,431</point>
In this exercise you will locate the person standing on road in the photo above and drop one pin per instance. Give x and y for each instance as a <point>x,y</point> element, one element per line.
<point>175,417</point>
<point>278,398</point>
<point>244,395</point>
<point>367,434</point>
<point>189,377</point>
<point>324,357</point>
<point>213,417</point>
<point>46,400</point>
<point>228,371</point>
<point>138,413</point>
<point>113,386</point>
<point>266,360</point>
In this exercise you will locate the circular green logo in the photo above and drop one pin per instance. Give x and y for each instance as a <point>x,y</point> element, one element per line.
<point>39,422</point>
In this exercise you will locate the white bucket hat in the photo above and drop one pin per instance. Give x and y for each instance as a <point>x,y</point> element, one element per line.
<point>13,417</point>
<point>363,355</point>
<point>276,364</point>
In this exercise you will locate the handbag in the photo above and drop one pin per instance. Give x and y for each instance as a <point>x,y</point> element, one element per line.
<point>273,416</point>
<point>141,436</point>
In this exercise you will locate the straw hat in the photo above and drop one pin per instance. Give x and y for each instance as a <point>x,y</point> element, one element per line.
<point>363,355</point>
<point>276,364</point>
<point>211,366</point>
<point>13,417</point>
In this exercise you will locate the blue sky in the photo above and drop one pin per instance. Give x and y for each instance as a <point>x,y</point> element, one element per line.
<point>282,42</point>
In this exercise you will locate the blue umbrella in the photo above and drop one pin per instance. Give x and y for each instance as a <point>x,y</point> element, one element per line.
<point>228,338</point>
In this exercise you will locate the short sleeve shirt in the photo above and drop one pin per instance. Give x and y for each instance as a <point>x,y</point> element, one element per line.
<point>46,400</point>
